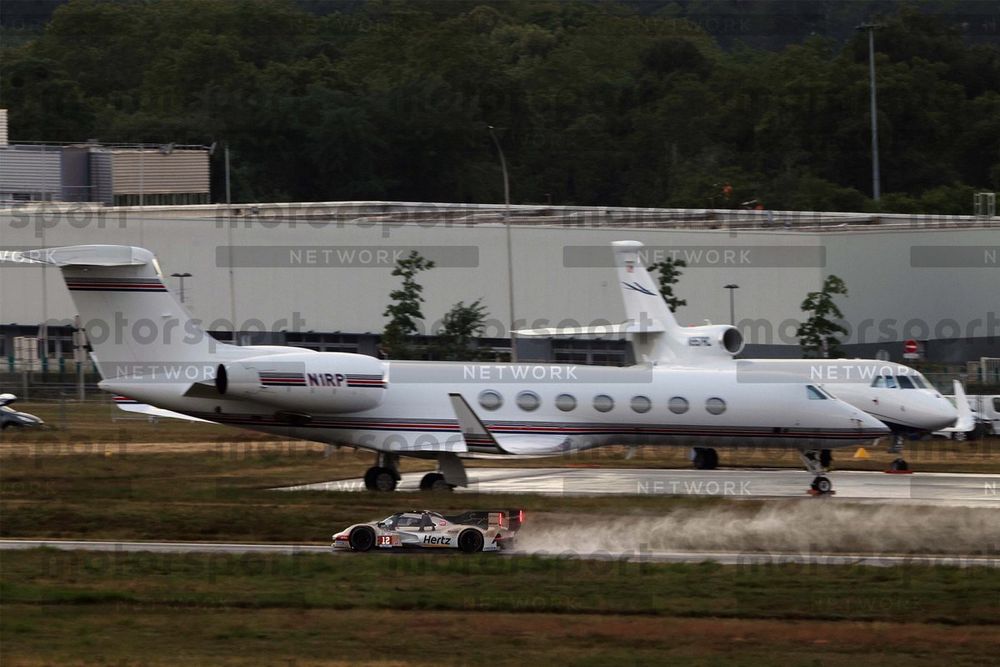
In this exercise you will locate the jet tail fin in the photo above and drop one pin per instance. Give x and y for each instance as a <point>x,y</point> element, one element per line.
<point>657,334</point>
<point>134,324</point>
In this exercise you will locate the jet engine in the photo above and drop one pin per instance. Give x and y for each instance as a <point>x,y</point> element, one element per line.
<point>308,382</point>
<point>719,340</point>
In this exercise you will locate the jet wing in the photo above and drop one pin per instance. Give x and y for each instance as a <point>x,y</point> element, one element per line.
<point>479,438</point>
<point>130,405</point>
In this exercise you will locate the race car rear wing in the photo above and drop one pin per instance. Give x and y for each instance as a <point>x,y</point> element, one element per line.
<point>508,519</point>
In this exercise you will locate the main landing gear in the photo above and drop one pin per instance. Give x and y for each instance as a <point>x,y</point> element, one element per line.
<point>899,464</point>
<point>434,481</point>
<point>384,475</point>
<point>817,462</point>
<point>705,458</point>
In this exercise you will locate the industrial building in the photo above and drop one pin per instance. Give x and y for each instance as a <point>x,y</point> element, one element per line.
<point>109,174</point>
<point>319,274</point>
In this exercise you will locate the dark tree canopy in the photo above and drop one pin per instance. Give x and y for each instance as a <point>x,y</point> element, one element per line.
<point>630,103</point>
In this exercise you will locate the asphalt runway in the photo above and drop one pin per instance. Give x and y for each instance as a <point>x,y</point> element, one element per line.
<point>973,490</point>
<point>721,557</point>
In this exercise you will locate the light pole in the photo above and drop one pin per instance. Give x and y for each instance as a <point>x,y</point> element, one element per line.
<point>876,184</point>
<point>510,255</point>
<point>181,276</point>
<point>732,302</point>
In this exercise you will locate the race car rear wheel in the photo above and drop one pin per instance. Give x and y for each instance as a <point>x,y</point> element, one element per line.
<point>470,541</point>
<point>362,538</point>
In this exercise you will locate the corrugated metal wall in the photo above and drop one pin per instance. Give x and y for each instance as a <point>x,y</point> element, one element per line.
<point>27,169</point>
<point>153,172</point>
<point>100,177</point>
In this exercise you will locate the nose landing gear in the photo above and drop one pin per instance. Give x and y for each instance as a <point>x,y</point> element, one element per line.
<point>899,465</point>
<point>817,463</point>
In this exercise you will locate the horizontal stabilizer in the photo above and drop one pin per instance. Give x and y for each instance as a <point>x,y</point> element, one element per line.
<point>80,255</point>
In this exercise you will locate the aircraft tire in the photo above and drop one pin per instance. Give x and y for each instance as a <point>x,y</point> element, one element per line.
<point>429,481</point>
<point>822,485</point>
<point>380,479</point>
<point>713,459</point>
<point>899,465</point>
<point>470,541</point>
<point>700,458</point>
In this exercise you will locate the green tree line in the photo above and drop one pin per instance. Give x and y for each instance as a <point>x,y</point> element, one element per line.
<point>595,103</point>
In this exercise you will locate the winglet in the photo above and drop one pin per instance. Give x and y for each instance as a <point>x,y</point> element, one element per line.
<point>965,422</point>
<point>477,437</point>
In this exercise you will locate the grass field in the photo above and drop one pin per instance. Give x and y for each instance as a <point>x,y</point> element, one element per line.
<point>317,609</point>
<point>145,482</point>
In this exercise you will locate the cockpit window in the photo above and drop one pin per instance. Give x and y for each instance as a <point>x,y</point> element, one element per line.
<point>814,393</point>
<point>408,521</point>
<point>919,381</point>
<point>878,382</point>
<point>905,382</point>
<point>890,382</point>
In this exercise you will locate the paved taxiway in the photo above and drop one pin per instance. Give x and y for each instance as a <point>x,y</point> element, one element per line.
<point>721,557</point>
<point>974,490</point>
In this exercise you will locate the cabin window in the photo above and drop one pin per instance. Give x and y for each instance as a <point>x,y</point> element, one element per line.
<point>678,405</point>
<point>715,406</point>
<point>528,401</point>
<point>905,382</point>
<point>641,404</point>
<point>814,393</point>
<point>490,400</point>
<point>603,403</point>
<point>566,402</point>
<point>996,404</point>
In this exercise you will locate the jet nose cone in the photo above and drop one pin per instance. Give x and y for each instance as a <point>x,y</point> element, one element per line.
<point>869,423</point>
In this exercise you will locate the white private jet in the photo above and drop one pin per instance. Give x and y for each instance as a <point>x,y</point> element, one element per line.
<point>897,395</point>
<point>443,411</point>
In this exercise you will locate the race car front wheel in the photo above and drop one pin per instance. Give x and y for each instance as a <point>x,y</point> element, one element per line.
<point>470,541</point>
<point>362,538</point>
